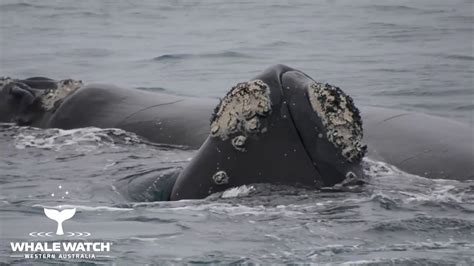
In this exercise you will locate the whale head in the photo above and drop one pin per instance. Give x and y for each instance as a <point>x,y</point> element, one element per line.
<point>282,127</point>
<point>26,102</point>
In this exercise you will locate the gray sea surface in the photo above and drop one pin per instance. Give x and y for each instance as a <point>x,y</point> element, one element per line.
<point>410,55</point>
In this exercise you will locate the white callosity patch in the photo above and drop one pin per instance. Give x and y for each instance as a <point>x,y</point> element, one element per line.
<point>4,81</point>
<point>340,118</point>
<point>239,143</point>
<point>242,111</point>
<point>64,88</point>
<point>220,178</point>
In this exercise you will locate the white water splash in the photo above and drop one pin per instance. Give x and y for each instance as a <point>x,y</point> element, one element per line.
<point>235,192</point>
<point>87,138</point>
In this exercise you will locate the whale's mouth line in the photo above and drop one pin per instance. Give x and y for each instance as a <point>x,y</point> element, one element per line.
<point>308,154</point>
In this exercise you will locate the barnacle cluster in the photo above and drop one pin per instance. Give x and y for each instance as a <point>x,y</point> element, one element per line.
<point>64,87</point>
<point>243,111</point>
<point>340,118</point>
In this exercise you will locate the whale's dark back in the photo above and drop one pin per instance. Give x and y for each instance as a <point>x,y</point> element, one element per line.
<point>420,144</point>
<point>159,117</point>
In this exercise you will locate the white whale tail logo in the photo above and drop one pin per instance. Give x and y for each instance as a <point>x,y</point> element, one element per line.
<point>60,217</point>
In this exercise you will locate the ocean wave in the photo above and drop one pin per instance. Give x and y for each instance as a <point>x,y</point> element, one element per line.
<point>426,223</point>
<point>199,207</point>
<point>403,261</point>
<point>392,70</point>
<point>235,192</point>
<point>404,9</point>
<point>468,107</point>
<point>374,168</point>
<point>85,208</point>
<point>383,25</point>
<point>16,6</point>
<point>186,56</point>
<point>459,57</point>
<point>30,5</point>
<point>76,13</point>
<point>83,138</point>
<point>393,8</point>
<point>86,52</point>
<point>425,92</point>
<point>153,89</point>
<point>393,189</point>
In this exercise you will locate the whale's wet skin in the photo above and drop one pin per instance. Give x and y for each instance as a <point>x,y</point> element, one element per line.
<point>405,55</point>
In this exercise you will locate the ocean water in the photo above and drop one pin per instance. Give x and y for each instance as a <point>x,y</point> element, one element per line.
<point>412,55</point>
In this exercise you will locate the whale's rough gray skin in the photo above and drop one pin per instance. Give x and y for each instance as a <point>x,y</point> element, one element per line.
<point>258,117</point>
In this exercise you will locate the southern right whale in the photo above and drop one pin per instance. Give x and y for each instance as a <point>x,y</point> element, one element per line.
<point>284,110</point>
